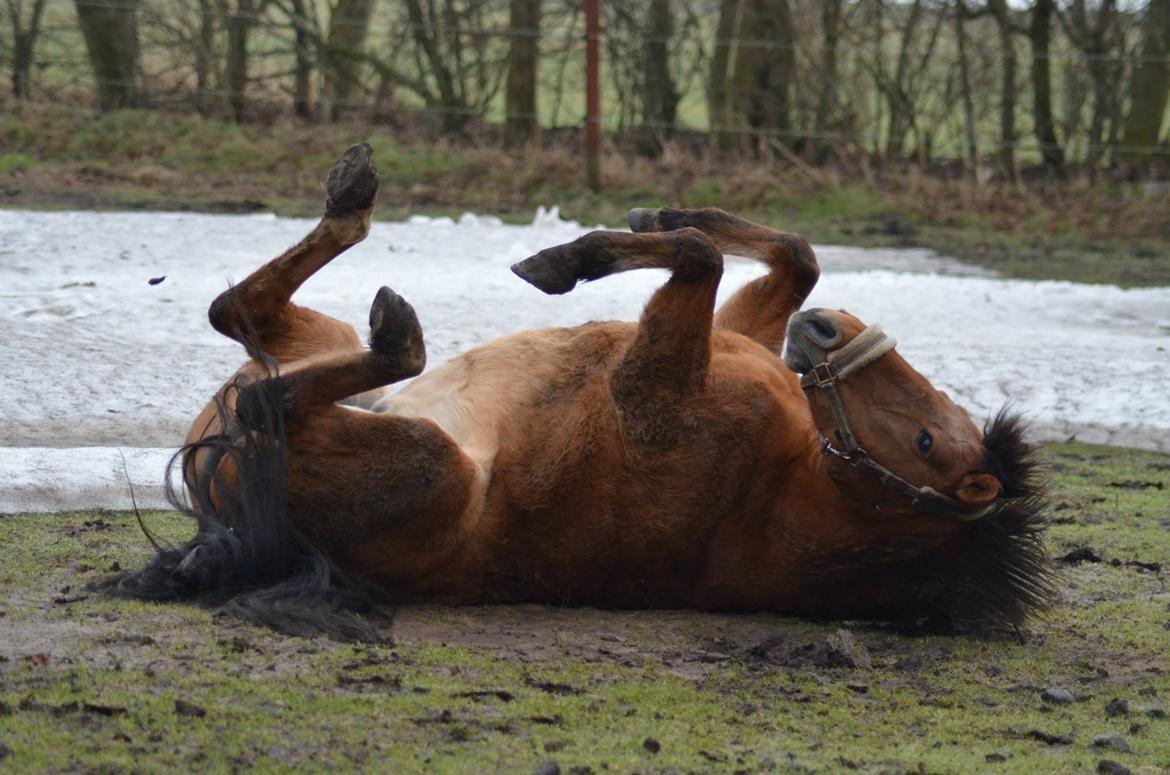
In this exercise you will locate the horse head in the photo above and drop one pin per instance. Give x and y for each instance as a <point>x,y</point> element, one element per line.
<point>957,510</point>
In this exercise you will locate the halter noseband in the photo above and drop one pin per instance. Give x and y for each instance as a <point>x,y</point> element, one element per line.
<point>864,349</point>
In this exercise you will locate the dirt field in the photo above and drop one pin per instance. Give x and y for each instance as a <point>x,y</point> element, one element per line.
<point>91,684</point>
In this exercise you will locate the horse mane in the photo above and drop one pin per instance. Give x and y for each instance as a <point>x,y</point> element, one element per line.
<point>247,558</point>
<point>996,572</point>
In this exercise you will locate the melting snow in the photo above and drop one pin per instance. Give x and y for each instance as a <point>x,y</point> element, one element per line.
<point>99,364</point>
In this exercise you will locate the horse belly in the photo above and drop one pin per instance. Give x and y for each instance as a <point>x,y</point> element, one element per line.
<point>477,396</point>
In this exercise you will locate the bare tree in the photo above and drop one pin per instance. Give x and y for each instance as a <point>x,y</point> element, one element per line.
<point>459,69</point>
<point>1039,38</point>
<point>901,88</point>
<point>349,24</point>
<point>832,20</point>
<point>751,72</point>
<point>659,94</point>
<point>24,41</point>
<point>1096,36</point>
<point>972,142</point>
<point>1150,86</point>
<point>521,124</point>
<point>110,28</point>
<point>241,18</point>
<point>1007,106</point>
<point>204,56</point>
<point>306,42</point>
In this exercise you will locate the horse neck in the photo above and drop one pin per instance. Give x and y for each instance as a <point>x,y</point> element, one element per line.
<point>830,538</point>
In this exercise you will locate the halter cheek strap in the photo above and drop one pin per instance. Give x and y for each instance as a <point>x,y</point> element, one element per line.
<point>864,349</point>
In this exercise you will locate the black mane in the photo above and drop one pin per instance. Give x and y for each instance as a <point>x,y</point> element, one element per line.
<point>998,573</point>
<point>247,557</point>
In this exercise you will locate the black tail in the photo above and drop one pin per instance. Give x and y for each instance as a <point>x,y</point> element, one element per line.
<point>247,557</point>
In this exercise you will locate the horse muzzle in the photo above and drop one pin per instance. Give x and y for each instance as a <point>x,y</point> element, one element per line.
<point>812,335</point>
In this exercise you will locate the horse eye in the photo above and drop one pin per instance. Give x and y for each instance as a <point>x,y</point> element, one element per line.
<point>925,442</point>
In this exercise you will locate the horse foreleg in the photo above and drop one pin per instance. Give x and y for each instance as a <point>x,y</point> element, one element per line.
<point>759,310</point>
<point>262,302</point>
<point>396,353</point>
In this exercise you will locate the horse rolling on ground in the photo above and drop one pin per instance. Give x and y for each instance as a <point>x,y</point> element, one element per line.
<point>676,462</point>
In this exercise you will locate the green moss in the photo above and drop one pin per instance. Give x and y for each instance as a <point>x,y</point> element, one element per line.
<point>15,162</point>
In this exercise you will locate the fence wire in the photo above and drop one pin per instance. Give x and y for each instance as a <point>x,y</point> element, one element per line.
<point>861,116</point>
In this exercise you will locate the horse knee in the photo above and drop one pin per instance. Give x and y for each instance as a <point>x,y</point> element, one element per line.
<point>805,271</point>
<point>698,258</point>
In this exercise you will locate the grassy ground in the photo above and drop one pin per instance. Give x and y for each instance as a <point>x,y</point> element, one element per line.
<point>98,685</point>
<point>58,157</point>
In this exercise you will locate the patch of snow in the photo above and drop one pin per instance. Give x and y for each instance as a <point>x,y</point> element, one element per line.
<point>36,479</point>
<point>97,358</point>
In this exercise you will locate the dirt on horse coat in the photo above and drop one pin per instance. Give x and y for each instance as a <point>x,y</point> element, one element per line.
<point>672,462</point>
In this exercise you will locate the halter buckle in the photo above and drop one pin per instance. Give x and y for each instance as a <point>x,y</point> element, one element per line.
<point>821,375</point>
<point>855,458</point>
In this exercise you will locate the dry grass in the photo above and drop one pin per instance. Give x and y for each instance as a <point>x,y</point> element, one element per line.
<point>57,157</point>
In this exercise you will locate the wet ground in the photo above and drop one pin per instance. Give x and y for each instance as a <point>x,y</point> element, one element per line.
<point>92,684</point>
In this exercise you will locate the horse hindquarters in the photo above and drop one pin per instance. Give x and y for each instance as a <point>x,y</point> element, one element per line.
<point>388,493</point>
<point>388,498</point>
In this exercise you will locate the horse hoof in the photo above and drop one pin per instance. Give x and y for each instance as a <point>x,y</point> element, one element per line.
<point>643,219</point>
<point>648,219</point>
<point>394,328</point>
<point>352,182</point>
<point>549,270</point>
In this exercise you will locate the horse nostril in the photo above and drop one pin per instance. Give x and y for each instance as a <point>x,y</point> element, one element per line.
<point>821,331</point>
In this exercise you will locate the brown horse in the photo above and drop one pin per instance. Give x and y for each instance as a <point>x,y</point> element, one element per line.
<point>675,462</point>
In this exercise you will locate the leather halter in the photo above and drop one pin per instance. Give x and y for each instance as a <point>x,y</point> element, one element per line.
<point>864,349</point>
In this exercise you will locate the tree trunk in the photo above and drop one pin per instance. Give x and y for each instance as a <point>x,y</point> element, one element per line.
<point>660,96</point>
<point>239,24</point>
<point>831,13</point>
<point>24,41</point>
<point>1040,35</point>
<point>1149,88</point>
<point>965,87</point>
<point>453,113</point>
<point>521,124</point>
<point>718,93</point>
<point>900,104</point>
<point>203,57</point>
<point>110,28</point>
<point>348,27</point>
<point>1007,104</point>
<point>757,68</point>
<point>302,61</point>
<point>1097,51</point>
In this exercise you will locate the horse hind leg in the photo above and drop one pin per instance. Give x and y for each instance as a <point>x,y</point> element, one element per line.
<point>259,310</point>
<point>761,309</point>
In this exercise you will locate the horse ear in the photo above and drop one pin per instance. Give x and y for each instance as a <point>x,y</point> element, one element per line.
<point>978,489</point>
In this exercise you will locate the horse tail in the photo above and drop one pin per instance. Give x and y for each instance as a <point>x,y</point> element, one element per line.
<point>247,558</point>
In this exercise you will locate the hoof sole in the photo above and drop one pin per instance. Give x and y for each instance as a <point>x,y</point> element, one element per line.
<point>395,331</point>
<point>548,271</point>
<point>352,182</point>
